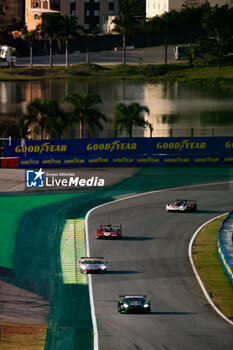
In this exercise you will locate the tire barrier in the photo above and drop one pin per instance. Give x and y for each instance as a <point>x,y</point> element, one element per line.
<point>225,245</point>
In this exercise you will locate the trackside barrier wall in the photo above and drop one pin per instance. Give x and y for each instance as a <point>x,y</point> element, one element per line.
<point>123,151</point>
<point>121,146</point>
<point>134,160</point>
<point>225,245</point>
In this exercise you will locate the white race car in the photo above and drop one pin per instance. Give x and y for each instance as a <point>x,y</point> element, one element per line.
<point>182,205</point>
<point>93,265</point>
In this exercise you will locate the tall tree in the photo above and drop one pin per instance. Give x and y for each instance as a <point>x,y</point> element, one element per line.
<point>190,22</point>
<point>83,111</point>
<point>134,7</point>
<point>50,29</point>
<point>30,37</point>
<point>218,23</point>
<point>129,116</point>
<point>43,116</point>
<point>69,29</point>
<point>167,26</point>
<point>7,26</point>
<point>9,127</point>
<point>124,25</point>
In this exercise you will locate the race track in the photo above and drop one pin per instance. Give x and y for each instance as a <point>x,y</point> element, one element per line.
<point>152,259</point>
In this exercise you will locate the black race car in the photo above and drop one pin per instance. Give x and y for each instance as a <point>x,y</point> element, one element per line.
<point>133,304</point>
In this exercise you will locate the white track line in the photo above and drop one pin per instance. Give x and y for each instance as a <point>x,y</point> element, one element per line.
<point>95,329</point>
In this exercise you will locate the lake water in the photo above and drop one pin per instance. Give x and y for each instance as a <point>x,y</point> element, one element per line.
<point>177,108</point>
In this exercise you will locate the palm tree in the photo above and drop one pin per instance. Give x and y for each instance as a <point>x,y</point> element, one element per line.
<point>43,116</point>
<point>123,25</point>
<point>166,25</point>
<point>30,36</point>
<point>191,51</point>
<point>50,29</point>
<point>128,116</point>
<point>69,30</point>
<point>83,112</point>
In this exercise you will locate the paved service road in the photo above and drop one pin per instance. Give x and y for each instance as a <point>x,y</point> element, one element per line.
<point>152,259</point>
<point>145,56</point>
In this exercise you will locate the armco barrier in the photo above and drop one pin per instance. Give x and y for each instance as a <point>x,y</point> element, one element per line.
<point>223,249</point>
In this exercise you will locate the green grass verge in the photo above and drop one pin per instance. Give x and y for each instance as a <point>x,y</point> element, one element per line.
<point>210,269</point>
<point>149,72</point>
<point>10,219</point>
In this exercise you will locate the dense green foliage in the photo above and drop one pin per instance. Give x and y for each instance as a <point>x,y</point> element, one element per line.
<point>83,111</point>
<point>214,26</point>
<point>133,7</point>
<point>129,116</point>
<point>9,127</point>
<point>43,116</point>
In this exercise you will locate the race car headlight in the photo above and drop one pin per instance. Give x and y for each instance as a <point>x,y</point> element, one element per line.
<point>125,305</point>
<point>146,305</point>
<point>103,267</point>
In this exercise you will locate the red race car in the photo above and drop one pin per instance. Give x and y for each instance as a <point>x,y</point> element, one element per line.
<point>109,231</point>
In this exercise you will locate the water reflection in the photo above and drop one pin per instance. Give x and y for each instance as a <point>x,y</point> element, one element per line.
<point>172,105</point>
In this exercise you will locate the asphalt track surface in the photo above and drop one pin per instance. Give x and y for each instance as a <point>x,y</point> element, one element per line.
<point>152,259</point>
<point>151,55</point>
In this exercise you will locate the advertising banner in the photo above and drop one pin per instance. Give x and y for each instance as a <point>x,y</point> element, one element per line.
<point>123,160</point>
<point>121,146</point>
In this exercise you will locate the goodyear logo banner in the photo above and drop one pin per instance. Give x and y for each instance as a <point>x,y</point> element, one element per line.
<point>121,146</point>
<point>123,160</point>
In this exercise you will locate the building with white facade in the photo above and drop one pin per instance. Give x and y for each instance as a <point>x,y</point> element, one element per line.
<point>90,13</point>
<point>158,7</point>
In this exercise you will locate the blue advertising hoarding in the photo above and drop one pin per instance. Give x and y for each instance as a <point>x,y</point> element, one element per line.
<point>123,152</point>
<point>125,160</point>
<point>121,146</point>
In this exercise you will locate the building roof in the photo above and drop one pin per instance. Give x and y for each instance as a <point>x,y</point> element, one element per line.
<point>42,10</point>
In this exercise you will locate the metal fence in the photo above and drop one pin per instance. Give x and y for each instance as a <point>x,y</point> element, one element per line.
<point>166,132</point>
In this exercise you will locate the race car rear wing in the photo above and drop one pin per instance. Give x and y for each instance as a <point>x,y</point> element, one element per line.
<point>129,295</point>
<point>187,200</point>
<point>92,257</point>
<point>118,226</point>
